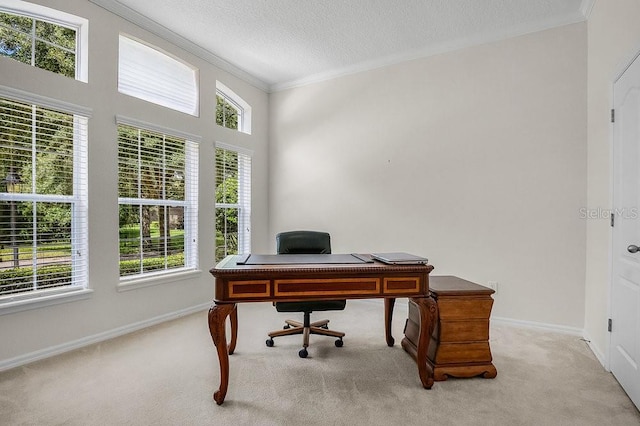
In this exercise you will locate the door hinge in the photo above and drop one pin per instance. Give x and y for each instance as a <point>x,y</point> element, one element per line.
<point>609,325</point>
<point>613,115</point>
<point>613,219</point>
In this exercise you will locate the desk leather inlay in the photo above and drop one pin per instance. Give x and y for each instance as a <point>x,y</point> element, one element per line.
<point>243,289</point>
<point>336,286</point>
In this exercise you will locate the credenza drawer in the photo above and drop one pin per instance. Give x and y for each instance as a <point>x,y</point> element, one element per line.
<point>454,353</point>
<point>464,308</point>
<point>463,331</point>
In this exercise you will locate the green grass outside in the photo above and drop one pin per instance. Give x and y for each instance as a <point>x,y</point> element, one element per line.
<point>59,249</point>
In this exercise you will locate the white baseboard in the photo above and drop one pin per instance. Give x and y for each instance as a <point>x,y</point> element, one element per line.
<point>96,338</point>
<point>120,331</point>
<point>574,331</point>
<point>596,351</point>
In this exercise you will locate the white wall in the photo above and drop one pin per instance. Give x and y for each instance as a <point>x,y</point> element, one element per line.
<point>34,333</point>
<point>475,159</point>
<point>614,38</point>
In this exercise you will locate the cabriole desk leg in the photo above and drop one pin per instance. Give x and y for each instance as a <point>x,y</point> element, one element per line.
<point>428,312</point>
<point>429,316</point>
<point>233,319</point>
<point>388,317</point>
<point>217,327</point>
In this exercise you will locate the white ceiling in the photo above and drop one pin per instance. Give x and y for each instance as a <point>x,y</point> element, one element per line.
<point>276,44</point>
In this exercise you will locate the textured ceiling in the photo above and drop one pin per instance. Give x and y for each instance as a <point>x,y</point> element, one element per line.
<point>282,43</point>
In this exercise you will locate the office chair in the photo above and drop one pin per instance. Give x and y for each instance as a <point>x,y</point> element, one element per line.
<point>306,242</point>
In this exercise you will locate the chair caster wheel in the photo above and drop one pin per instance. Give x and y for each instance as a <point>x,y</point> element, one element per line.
<point>326,327</point>
<point>286,327</point>
<point>303,353</point>
<point>269,342</point>
<point>339,343</point>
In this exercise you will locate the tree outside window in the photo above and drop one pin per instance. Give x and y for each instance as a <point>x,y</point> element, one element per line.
<point>38,43</point>
<point>155,171</point>
<point>42,198</point>
<point>233,202</point>
<point>227,112</point>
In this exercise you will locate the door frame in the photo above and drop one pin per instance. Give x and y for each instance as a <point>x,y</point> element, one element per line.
<point>620,70</point>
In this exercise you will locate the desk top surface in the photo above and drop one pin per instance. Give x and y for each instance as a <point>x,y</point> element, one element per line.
<point>302,259</point>
<point>324,263</point>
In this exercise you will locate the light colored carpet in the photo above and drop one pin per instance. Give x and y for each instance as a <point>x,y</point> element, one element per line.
<point>165,375</point>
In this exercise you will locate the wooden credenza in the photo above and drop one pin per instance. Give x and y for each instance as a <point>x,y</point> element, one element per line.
<point>460,340</point>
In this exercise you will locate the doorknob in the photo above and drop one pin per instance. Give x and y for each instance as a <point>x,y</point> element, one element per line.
<point>633,248</point>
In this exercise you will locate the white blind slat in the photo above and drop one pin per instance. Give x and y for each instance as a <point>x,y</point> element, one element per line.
<point>43,198</point>
<point>233,201</point>
<point>149,74</point>
<point>156,181</point>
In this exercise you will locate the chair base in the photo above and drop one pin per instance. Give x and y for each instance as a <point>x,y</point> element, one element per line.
<point>296,327</point>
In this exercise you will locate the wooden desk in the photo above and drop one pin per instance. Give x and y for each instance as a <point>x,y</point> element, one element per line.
<point>295,282</point>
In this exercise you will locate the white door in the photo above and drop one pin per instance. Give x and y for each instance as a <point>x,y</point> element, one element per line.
<point>625,285</point>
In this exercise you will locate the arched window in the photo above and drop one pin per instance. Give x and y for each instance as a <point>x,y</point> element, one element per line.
<point>148,73</point>
<point>44,38</point>
<point>232,111</point>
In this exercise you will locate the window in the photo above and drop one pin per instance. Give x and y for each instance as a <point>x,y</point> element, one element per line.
<point>228,114</point>
<point>157,197</point>
<point>147,73</point>
<point>232,111</point>
<point>43,200</point>
<point>233,202</point>
<point>44,38</point>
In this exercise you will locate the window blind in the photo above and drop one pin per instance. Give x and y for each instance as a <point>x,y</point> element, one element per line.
<point>149,74</point>
<point>233,201</point>
<point>157,197</point>
<point>43,199</point>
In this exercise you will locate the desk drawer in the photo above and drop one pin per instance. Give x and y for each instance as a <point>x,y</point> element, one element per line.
<point>327,287</point>
<point>248,289</point>
<point>402,285</point>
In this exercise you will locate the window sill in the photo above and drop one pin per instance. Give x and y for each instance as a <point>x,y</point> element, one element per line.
<point>141,282</point>
<point>25,302</point>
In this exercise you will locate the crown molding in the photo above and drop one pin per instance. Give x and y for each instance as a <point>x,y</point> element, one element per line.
<point>142,21</point>
<point>586,7</point>
<point>145,23</point>
<point>446,47</point>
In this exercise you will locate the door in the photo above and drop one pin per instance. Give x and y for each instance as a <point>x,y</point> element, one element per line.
<point>625,283</point>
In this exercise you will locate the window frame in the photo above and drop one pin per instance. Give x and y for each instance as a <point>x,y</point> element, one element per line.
<point>79,287</point>
<point>243,205</point>
<point>239,104</point>
<point>57,17</point>
<point>190,204</point>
